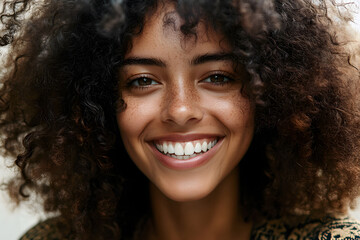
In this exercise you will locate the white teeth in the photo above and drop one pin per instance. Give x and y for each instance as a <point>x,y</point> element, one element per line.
<point>179,150</point>
<point>204,147</point>
<point>171,149</point>
<point>165,148</point>
<point>189,149</point>
<point>160,147</point>
<point>179,157</point>
<point>197,148</point>
<point>183,157</point>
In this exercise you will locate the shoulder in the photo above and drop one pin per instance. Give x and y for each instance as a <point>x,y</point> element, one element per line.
<point>50,229</point>
<point>345,228</point>
<point>328,228</point>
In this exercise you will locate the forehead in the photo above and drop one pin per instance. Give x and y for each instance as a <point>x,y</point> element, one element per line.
<point>165,23</point>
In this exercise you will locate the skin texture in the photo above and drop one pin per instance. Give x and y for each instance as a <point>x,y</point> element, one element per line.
<point>180,99</point>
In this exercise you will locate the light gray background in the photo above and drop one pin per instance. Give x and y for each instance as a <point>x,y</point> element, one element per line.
<point>14,222</point>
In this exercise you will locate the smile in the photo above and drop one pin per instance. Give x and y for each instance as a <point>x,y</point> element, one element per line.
<point>185,150</point>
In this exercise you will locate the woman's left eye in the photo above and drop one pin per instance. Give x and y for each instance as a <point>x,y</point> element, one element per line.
<point>217,79</point>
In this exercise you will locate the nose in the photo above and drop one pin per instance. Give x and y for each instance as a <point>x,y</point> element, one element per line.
<point>181,105</point>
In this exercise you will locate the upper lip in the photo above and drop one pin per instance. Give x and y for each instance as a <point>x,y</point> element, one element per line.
<point>184,137</point>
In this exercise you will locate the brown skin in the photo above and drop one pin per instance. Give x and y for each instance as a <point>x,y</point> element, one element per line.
<point>179,98</point>
<point>214,217</point>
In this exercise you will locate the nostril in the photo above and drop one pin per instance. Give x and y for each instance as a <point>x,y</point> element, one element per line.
<point>181,112</point>
<point>182,116</point>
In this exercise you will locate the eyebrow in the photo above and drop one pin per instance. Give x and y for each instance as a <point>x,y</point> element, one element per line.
<point>201,59</point>
<point>212,57</point>
<point>143,61</point>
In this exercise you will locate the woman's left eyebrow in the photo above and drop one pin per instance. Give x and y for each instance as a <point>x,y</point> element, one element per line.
<point>213,57</point>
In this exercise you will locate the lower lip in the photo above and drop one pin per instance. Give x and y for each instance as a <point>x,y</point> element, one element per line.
<point>193,162</point>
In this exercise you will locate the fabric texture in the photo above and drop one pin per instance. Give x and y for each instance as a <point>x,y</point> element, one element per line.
<point>310,229</point>
<point>51,229</point>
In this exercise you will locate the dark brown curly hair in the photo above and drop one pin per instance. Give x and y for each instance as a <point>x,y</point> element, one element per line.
<point>59,96</point>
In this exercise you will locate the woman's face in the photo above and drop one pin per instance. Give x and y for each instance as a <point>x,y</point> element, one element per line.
<point>186,124</point>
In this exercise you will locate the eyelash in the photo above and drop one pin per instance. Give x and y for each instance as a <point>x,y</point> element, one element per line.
<point>224,75</point>
<point>132,82</point>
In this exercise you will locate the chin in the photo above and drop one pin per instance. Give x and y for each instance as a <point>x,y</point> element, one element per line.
<point>187,196</point>
<point>187,192</point>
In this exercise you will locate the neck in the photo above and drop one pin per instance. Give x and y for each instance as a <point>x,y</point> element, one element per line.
<point>217,216</point>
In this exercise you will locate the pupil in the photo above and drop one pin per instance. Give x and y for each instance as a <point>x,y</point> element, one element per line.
<point>217,78</point>
<point>144,81</point>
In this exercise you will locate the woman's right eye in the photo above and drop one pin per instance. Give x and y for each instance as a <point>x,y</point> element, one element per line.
<point>142,82</point>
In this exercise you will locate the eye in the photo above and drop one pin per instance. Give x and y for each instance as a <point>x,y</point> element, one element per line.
<point>217,79</point>
<point>142,82</point>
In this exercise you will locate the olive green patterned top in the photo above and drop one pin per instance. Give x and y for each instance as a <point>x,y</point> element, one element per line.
<point>311,229</point>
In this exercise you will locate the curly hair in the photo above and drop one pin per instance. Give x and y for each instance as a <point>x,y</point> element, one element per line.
<point>59,97</point>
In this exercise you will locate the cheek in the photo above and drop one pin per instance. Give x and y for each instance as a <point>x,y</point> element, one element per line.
<point>243,114</point>
<point>234,111</point>
<point>137,115</point>
<point>132,123</point>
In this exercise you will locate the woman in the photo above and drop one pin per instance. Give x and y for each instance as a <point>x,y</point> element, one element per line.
<point>182,119</point>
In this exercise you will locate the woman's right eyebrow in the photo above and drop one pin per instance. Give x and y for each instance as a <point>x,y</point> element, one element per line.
<point>143,61</point>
